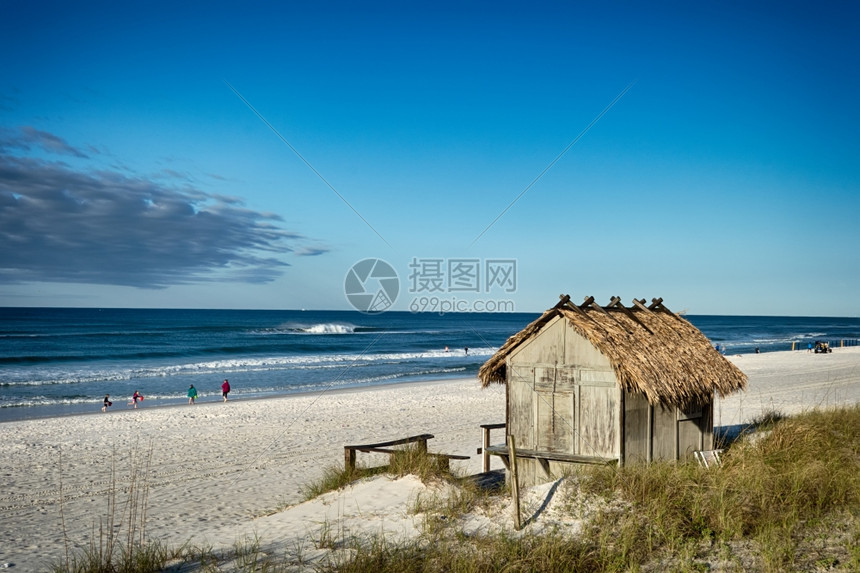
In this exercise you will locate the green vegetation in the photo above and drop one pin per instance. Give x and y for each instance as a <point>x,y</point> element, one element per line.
<point>335,478</point>
<point>405,461</point>
<point>788,500</point>
<point>775,492</point>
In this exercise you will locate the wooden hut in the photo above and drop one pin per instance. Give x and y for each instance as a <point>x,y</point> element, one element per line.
<point>593,384</point>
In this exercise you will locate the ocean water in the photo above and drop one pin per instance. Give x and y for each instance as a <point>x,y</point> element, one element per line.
<point>60,361</point>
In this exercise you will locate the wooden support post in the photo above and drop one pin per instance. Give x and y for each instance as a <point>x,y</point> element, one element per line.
<point>485,455</point>
<point>349,459</point>
<point>649,435</point>
<point>515,482</point>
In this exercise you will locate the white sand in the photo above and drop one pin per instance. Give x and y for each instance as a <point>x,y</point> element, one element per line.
<point>220,472</point>
<point>215,466</point>
<point>790,383</point>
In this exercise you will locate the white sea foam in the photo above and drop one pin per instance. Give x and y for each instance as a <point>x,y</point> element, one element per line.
<point>293,328</point>
<point>328,329</point>
<point>57,375</point>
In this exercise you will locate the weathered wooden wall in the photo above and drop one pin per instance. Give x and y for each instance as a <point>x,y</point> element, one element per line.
<point>637,428</point>
<point>663,427</point>
<point>653,433</point>
<point>563,397</point>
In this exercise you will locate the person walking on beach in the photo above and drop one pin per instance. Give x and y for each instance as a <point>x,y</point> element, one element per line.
<point>108,403</point>
<point>225,389</point>
<point>135,398</point>
<point>192,394</point>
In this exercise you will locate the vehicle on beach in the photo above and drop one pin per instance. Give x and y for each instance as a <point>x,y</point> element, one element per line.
<point>822,347</point>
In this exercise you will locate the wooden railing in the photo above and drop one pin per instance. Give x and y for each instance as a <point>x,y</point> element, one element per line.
<point>349,452</point>
<point>485,444</point>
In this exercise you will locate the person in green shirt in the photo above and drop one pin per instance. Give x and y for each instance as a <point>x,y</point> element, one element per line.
<point>192,394</point>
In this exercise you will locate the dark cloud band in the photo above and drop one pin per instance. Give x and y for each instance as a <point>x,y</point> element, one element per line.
<point>59,224</point>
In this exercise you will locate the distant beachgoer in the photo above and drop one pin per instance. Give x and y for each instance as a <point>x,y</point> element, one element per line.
<point>467,351</point>
<point>192,394</point>
<point>809,347</point>
<point>757,351</point>
<point>225,389</point>
<point>446,349</point>
<point>108,403</point>
<point>135,398</point>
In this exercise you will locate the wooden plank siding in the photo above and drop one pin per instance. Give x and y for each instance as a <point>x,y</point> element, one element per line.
<point>663,427</point>
<point>580,352</point>
<point>571,408</point>
<point>521,421</point>
<point>599,430</point>
<point>636,430</point>
<point>689,438</point>
<point>545,348</point>
<point>554,422</point>
<point>564,399</point>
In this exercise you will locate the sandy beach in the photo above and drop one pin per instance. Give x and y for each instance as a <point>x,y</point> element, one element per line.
<point>223,471</point>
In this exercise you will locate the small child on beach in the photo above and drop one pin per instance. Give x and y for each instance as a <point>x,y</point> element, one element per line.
<point>192,394</point>
<point>135,398</point>
<point>108,403</point>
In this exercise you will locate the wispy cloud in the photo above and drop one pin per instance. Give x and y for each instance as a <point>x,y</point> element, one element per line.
<point>60,224</point>
<point>174,174</point>
<point>311,251</point>
<point>27,137</point>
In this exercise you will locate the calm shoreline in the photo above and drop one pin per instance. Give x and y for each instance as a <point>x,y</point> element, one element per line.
<point>119,406</point>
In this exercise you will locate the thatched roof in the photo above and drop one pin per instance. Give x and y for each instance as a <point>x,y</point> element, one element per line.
<point>652,350</point>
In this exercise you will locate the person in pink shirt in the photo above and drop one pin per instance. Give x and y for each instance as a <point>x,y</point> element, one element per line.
<point>135,398</point>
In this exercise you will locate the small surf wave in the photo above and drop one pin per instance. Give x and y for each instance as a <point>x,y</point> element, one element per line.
<point>327,328</point>
<point>317,329</point>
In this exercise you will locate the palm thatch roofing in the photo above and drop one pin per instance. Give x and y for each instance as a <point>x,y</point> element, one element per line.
<point>652,350</point>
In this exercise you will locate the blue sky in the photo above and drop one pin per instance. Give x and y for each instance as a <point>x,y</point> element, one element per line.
<point>724,178</point>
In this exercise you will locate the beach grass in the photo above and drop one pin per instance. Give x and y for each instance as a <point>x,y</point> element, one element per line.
<point>335,478</point>
<point>118,542</point>
<point>410,460</point>
<point>787,501</point>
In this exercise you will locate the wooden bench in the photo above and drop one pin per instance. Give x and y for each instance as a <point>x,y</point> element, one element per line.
<point>545,457</point>
<point>349,452</point>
